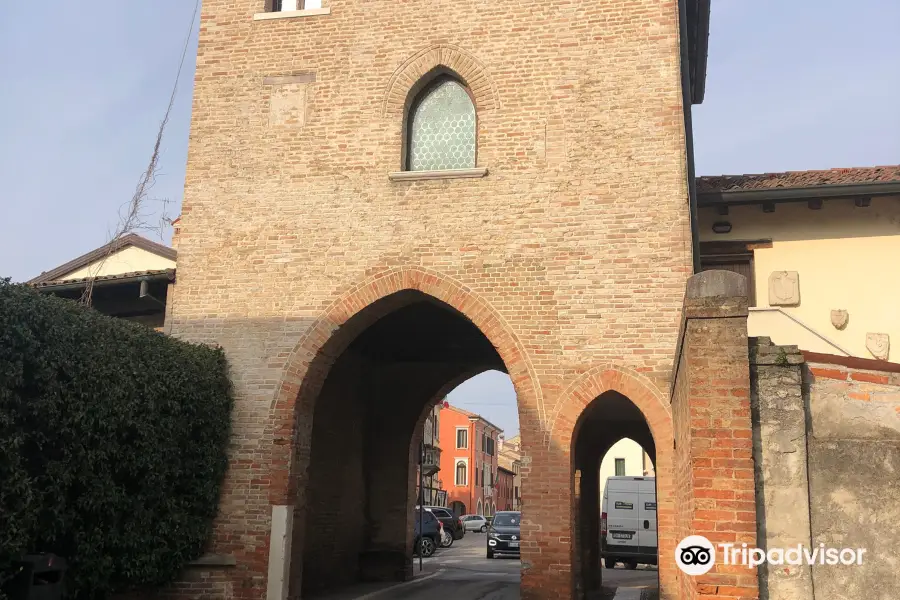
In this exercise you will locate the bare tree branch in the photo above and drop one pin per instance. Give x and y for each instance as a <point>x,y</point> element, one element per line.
<point>132,216</point>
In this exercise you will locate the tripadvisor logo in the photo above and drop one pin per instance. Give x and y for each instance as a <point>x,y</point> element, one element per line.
<point>696,555</point>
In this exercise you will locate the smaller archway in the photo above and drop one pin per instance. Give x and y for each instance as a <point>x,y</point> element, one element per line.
<point>479,508</point>
<point>611,440</point>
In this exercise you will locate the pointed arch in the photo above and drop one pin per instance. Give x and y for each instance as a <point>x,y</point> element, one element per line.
<point>440,125</point>
<point>326,338</point>
<point>603,378</point>
<point>654,406</point>
<point>439,57</point>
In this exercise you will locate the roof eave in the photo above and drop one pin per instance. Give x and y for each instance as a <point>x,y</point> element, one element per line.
<point>698,83</point>
<point>799,194</point>
<point>131,239</point>
<point>63,286</point>
<point>485,421</point>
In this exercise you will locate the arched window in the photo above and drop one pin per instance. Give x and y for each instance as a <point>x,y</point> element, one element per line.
<point>460,473</point>
<point>441,128</point>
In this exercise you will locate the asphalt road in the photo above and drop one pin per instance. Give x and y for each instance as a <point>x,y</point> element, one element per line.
<point>463,572</point>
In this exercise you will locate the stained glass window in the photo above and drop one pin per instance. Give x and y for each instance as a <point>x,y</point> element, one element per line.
<point>442,129</point>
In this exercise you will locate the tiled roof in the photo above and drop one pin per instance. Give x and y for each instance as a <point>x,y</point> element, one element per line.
<point>461,411</point>
<point>797,179</point>
<point>131,239</point>
<point>50,284</point>
<point>471,415</point>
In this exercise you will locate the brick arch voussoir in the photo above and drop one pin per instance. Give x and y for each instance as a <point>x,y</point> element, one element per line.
<point>449,56</point>
<point>639,389</point>
<point>303,375</point>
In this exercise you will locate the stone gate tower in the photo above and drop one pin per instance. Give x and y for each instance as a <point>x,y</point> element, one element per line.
<point>385,198</point>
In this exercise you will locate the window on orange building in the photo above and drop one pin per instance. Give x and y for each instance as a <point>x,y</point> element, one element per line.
<point>462,438</point>
<point>461,473</point>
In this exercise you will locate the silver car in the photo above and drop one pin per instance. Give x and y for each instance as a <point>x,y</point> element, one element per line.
<point>474,523</point>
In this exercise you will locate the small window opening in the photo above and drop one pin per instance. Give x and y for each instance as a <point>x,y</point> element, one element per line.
<point>441,127</point>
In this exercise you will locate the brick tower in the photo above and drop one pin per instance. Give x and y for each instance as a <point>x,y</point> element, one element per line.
<point>386,198</point>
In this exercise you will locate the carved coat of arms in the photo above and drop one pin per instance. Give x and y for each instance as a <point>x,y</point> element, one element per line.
<point>784,288</point>
<point>879,344</point>
<point>839,318</point>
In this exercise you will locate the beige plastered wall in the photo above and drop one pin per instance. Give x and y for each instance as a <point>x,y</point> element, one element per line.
<point>625,448</point>
<point>126,260</point>
<point>847,257</point>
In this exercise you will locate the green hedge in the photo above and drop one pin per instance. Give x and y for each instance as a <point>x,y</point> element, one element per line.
<point>113,441</point>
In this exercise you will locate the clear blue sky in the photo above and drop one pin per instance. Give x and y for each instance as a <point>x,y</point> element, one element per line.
<point>791,85</point>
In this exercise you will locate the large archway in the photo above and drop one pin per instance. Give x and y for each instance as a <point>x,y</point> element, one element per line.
<point>357,389</point>
<point>366,422</point>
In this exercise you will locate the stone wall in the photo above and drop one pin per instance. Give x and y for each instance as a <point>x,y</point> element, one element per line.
<point>854,474</point>
<point>828,452</point>
<point>780,453</point>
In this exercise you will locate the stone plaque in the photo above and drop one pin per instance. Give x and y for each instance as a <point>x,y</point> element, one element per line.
<point>839,318</point>
<point>288,104</point>
<point>784,288</point>
<point>879,344</point>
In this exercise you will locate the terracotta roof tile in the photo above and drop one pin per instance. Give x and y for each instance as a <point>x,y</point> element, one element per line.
<point>797,179</point>
<point>471,415</point>
<point>58,282</point>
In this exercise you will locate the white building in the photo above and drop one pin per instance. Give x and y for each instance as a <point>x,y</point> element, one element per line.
<point>626,457</point>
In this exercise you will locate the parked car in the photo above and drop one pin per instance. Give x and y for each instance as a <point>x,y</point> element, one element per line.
<point>504,535</point>
<point>628,522</point>
<point>429,539</point>
<point>451,522</point>
<point>446,537</point>
<point>474,523</point>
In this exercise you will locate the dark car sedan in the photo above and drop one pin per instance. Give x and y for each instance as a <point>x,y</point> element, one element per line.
<point>452,522</point>
<point>429,538</point>
<point>505,534</point>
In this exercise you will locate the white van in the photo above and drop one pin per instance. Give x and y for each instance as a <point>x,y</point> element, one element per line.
<point>628,522</point>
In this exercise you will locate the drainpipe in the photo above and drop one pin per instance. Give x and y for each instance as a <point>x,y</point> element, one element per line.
<point>472,466</point>
<point>421,497</point>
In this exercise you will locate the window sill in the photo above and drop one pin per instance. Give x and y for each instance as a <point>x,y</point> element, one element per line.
<point>288,14</point>
<point>446,174</point>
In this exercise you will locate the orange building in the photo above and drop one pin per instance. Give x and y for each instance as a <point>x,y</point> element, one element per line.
<point>469,461</point>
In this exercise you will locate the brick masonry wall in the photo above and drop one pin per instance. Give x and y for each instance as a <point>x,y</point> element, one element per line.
<point>713,431</point>
<point>684,487</point>
<point>570,255</point>
<point>335,524</point>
